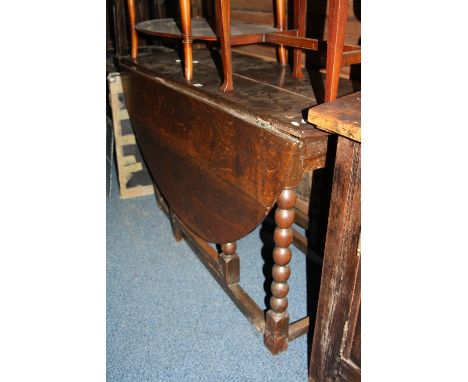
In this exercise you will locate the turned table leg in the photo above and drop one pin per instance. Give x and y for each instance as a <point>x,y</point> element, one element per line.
<point>229,261</point>
<point>280,24</point>
<point>338,15</point>
<point>187,38</point>
<point>300,11</point>
<point>277,318</point>
<point>224,28</point>
<point>133,33</point>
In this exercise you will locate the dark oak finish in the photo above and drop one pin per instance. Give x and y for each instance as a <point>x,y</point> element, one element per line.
<point>284,38</point>
<point>120,29</point>
<point>240,189</point>
<point>277,318</point>
<point>222,160</point>
<point>336,345</point>
<point>342,116</point>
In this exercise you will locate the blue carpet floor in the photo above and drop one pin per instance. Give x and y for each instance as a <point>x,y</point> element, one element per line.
<point>169,320</point>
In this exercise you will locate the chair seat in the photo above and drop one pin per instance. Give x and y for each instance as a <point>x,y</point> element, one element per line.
<point>201,29</point>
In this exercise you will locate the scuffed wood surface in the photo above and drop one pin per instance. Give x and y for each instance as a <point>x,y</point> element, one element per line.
<point>342,116</point>
<point>265,91</point>
<point>340,274</point>
<point>220,174</point>
<point>221,159</point>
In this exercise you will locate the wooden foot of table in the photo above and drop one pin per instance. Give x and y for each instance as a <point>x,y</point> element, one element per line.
<point>176,232</point>
<point>230,263</point>
<point>277,318</point>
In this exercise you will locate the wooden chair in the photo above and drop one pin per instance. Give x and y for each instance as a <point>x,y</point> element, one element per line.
<point>223,9</point>
<point>335,352</point>
<point>338,12</point>
<point>338,54</point>
<point>338,16</point>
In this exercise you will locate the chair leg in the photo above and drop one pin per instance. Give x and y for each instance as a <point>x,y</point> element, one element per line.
<point>133,33</point>
<point>224,27</point>
<point>280,24</point>
<point>187,38</point>
<point>300,12</point>
<point>338,15</point>
<point>277,318</point>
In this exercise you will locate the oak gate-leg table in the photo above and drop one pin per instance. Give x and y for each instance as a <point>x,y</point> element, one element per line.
<point>220,162</point>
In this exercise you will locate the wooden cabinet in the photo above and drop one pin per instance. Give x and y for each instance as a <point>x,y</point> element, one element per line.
<point>336,354</point>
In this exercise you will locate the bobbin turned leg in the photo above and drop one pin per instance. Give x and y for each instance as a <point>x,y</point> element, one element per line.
<point>133,33</point>
<point>229,261</point>
<point>224,31</point>
<point>280,24</point>
<point>300,11</point>
<point>277,318</point>
<point>187,38</point>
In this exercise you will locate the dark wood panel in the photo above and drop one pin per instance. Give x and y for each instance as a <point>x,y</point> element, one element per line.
<point>220,174</point>
<point>340,274</point>
<point>266,93</point>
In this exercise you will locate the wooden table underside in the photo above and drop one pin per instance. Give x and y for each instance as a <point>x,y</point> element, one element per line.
<point>220,160</point>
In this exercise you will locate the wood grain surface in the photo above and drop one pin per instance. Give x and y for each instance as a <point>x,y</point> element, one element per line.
<point>220,160</point>
<point>342,116</point>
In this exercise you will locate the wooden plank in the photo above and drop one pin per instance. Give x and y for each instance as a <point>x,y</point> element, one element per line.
<point>123,114</point>
<point>133,192</point>
<point>127,140</point>
<point>236,190</point>
<point>341,263</point>
<point>298,328</point>
<point>131,168</point>
<point>127,165</point>
<point>127,160</point>
<point>342,116</point>
<point>292,41</point>
<point>351,58</point>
